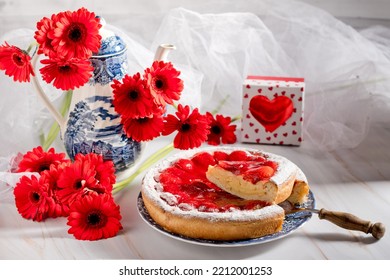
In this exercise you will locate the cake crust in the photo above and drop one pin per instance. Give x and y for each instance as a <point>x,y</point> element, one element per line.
<point>300,190</point>
<point>215,229</point>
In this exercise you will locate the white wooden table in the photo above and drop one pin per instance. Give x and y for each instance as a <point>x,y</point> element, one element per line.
<point>355,181</point>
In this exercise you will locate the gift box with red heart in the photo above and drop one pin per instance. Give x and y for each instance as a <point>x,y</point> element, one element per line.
<point>272,110</point>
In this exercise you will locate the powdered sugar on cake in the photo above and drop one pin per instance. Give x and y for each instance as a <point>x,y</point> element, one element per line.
<point>169,202</point>
<point>285,169</point>
<point>300,175</point>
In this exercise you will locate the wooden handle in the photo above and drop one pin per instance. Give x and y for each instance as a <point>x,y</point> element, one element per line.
<point>349,221</point>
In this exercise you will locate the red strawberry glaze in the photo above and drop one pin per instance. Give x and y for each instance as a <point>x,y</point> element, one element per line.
<point>251,170</point>
<point>186,180</point>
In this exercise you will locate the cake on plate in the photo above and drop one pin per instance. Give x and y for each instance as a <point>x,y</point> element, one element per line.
<point>184,197</point>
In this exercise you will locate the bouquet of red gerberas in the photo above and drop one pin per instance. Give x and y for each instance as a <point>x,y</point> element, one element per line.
<point>142,103</point>
<point>67,40</point>
<point>82,190</point>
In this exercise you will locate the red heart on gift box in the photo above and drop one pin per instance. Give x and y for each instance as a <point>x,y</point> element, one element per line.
<point>271,113</point>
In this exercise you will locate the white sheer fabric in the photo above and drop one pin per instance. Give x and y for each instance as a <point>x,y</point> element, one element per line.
<point>347,72</point>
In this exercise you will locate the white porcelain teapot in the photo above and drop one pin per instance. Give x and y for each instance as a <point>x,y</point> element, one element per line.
<point>92,124</point>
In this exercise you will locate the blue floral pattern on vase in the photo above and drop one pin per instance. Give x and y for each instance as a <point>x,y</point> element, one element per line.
<point>93,124</point>
<point>111,61</point>
<point>82,136</point>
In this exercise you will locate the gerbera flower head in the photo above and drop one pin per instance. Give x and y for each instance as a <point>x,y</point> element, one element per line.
<point>132,99</point>
<point>38,160</point>
<point>143,129</point>
<point>44,28</point>
<point>192,128</point>
<point>164,82</point>
<point>66,74</point>
<point>32,199</point>
<point>76,34</point>
<point>104,169</point>
<point>75,181</point>
<point>221,130</point>
<point>94,217</point>
<point>50,177</point>
<point>16,63</point>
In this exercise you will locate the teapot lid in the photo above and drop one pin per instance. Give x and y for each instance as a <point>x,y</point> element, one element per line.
<point>111,43</point>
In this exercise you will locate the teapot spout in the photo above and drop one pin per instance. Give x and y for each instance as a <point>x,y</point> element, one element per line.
<point>163,51</point>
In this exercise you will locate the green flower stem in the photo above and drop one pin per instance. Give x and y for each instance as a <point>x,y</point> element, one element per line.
<point>145,165</point>
<point>55,128</point>
<point>220,105</point>
<point>236,118</point>
<point>31,46</point>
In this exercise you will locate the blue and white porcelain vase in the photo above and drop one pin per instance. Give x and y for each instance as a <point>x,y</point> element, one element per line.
<point>93,124</point>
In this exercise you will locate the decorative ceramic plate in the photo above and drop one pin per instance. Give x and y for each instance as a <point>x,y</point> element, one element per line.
<point>291,223</point>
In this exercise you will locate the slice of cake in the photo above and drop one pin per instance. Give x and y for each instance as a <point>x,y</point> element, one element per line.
<point>257,176</point>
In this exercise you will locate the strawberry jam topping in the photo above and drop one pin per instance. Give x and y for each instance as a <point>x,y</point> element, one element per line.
<point>252,171</point>
<point>186,180</point>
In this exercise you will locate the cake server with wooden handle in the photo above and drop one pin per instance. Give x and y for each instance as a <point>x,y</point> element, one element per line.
<point>342,219</point>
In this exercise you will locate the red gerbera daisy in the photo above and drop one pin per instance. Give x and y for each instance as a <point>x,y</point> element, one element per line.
<point>76,34</point>
<point>75,181</point>
<point>37,160</point>
<point>45,26</point>
<point>131,98</point>
<point>94,217</point>
<point>192,128</point>
<point>66,73</point>
<point>162,79</point>
<point>32,199</point>
<point>104,170</point>
<point>221,130</point>
<point>143,129</point>
<point>16,63</point>
<point>50,177</point>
